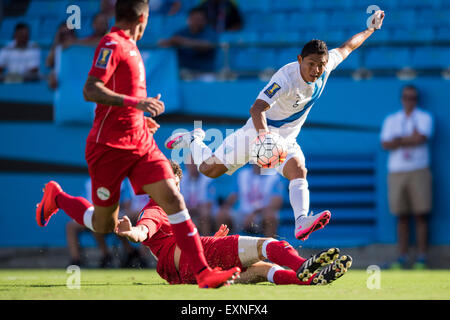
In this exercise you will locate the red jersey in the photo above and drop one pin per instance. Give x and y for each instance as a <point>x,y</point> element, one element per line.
<point>118,63</point>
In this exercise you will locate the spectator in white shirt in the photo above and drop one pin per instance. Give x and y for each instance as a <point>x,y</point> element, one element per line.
<point>20,59</point>
<point>405,134</point>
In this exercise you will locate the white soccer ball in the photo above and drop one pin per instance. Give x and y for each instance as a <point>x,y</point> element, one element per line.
<point>268,150</point>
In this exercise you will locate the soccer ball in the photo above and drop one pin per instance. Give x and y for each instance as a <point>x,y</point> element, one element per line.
<point>268,150</point>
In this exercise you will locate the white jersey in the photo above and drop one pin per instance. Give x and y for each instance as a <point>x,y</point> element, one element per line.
<point>291,98</point>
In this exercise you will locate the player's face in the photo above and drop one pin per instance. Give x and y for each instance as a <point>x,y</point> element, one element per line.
<point>312,66</point>
<point>142,25</point>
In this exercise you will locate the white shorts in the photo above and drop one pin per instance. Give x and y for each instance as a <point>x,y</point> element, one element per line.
<point>235,150</point>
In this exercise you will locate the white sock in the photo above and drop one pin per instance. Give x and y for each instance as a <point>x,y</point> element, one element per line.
<point>200,152</point>
<point>299,197</point>
<point>87,218</point>
<point>272,271</point>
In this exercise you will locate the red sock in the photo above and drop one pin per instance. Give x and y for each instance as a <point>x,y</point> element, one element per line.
<point>188,240</point>
<point>281,277</point>
<point>74,207</point>
<point>283,254</point>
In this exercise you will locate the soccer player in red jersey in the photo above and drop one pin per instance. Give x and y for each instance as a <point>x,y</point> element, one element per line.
<point>120,144</point>
<point>154,231</point>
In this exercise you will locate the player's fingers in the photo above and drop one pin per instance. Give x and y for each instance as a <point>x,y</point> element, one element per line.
<point>158,96</point>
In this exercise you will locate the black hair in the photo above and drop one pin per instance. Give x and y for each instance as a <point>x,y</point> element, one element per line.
<point>130,10</point>
<point>314,46</point>
<point>197,10</point>
<point>21,25</point>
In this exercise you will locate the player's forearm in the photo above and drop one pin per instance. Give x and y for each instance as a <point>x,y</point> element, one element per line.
<point>355,42</point>
<point>95,92</point>
<point>257,112</point>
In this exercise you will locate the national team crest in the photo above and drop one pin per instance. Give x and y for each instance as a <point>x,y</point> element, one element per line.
<point>272,90</point>
<point>103,58</point>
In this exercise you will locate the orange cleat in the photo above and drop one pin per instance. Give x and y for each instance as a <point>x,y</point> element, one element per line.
<point>216,278</point>
<point>47,207</point>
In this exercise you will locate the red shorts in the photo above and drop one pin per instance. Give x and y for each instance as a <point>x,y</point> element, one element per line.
<point>108,167</point>
<point>219,252</point>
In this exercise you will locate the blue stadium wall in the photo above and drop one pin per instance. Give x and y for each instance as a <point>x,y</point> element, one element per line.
<point>346,119</point>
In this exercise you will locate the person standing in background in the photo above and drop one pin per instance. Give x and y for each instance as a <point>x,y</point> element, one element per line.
<point>405,134</point>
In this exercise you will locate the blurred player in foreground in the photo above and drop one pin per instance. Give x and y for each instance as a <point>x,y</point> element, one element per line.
<point>120,144</point>
<point>281,108</point>
<point>154,231</point>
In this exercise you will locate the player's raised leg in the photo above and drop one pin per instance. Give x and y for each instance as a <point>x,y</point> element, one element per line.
<point>166,194</point>
<point>202,155</point>
<point>295,171</point>
<point>96,218</point>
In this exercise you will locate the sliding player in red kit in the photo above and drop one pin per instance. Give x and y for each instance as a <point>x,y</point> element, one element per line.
<point>120,144</point>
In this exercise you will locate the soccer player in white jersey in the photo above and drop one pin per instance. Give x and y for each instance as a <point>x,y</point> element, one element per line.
<point>281,107</point>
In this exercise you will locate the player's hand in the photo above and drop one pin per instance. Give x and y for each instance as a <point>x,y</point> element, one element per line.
<point>124,228</point>
<point>154,106</point>
<point>152,124</point>
<point>377,20</point>
<point>222,232</point>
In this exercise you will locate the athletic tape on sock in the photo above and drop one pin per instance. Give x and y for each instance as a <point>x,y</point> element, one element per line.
<point>179,217</point>
<point>264,247</point>
<point>272,271</point>
<point>87,218</point>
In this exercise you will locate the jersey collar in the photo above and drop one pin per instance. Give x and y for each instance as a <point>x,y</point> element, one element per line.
<point>121,33</point>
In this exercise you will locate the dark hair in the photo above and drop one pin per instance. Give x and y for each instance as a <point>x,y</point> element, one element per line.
<point>197,10</point>
<point>314,46</point>
<point>21,25</point>
<point>176,169</point>
<point>130,10</point>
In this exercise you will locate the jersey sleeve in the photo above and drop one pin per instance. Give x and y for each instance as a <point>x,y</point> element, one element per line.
<point>386,131</point>
<point>425,125</point>
<point>276,88</point>
<point>106,59</point>
<point>151,218</point>
<point>334,59</point>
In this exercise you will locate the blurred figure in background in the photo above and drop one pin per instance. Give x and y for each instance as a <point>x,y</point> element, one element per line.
<point>195,190</point>
<point>64,38</point>
<point>260,200</point>
<point>405,134</point>
<point>108,8</point>
<point>100,27</point>
<point>222,15</point>
<point>195,44</point>
<point>20,59</point>
<point>133,258</point>
<point>166,7</point>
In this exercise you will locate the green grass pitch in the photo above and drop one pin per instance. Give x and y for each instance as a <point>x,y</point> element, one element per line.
<point>132,284</point>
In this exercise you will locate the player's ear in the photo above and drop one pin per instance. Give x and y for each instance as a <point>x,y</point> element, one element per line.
<point>141,18</point>
<point>299,58</point>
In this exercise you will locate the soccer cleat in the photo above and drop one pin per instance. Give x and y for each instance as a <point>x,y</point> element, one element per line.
<point>47,207</point>
<point>216,278</point>
<point>183,140</point>
<point>332,272</point>
<point>304,226</point>
<point>321,259</point>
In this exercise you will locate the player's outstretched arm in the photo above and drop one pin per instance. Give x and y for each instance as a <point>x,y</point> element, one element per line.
<point>358,39</point>
<point>95,91</point>
<point>134,234</point>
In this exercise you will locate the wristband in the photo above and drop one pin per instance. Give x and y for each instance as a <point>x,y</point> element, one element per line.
<point>130,101</point>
